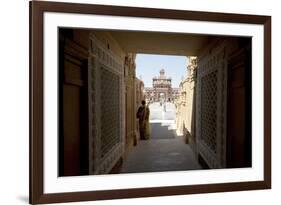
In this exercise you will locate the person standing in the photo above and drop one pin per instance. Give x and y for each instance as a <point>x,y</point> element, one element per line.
<point>143,116</point>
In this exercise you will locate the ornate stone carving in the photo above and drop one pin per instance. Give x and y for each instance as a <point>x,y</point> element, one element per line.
<point>208,110</point>
<point>211,105</point>
<point>162,89</point>
<point>110,109</point>
<point>106,120</point>
<point>185,114</point>
<point>192,68</point>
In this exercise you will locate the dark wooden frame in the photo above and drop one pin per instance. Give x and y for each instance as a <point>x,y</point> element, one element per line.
<point>37,9</point>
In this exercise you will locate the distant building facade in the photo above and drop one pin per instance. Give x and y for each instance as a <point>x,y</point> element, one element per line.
<point>162,89</point>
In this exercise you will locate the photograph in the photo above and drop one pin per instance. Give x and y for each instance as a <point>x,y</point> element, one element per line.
<point>139,101</point>
<point>129,102</point>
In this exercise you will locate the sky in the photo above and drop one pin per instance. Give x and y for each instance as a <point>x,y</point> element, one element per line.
<point>148,66</point>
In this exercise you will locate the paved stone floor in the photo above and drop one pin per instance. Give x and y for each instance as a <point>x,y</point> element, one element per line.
<point>164,151</point>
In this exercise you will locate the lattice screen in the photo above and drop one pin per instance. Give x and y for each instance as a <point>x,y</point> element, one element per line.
<point>110,110</point>
<point>106,106</point>
<point>209,109</point>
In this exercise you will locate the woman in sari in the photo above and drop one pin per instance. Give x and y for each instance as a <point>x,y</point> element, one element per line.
<point>143,116</point>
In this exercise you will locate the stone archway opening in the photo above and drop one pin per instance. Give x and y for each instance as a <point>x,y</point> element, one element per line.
<point>162,76</point>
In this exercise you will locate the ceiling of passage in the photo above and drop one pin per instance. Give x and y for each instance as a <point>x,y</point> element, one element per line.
<point>160,43</point>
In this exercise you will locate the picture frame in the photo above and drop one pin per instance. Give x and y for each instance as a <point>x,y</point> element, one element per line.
<point>37,193</point>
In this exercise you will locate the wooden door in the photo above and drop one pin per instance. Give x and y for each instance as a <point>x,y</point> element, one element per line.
<point>239,110</point>
<point>71,123</point>
<point>73,107</point>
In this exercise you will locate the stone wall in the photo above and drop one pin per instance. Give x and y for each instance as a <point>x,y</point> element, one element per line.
<point>139,92</point>
<point>129,77</point>
<point>211,103</point>
<point>185,105</point>
<point>106,103</point>
<point>211,100</point>
<point>202,106</point>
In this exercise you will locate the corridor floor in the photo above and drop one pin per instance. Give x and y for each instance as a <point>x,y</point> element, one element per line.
<point>164,151</point>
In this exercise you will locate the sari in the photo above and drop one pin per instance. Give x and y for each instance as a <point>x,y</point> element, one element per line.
<point>144,127</point>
